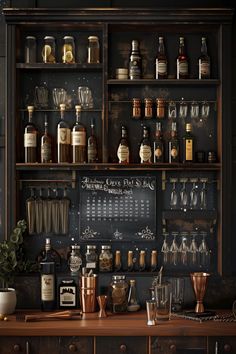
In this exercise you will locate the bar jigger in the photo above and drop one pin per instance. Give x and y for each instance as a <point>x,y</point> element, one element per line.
<point>199,283</point>
<point>102,302</point>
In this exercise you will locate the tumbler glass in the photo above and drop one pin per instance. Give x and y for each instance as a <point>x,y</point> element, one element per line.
<point>163,299</point>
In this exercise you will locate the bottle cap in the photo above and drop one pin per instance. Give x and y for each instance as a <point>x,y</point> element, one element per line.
<point>106,247</point>
<point>49,37</point>
<point>69,37</point>
<point>93,38</point>
<point>31,37</point>
<point>188,127</point>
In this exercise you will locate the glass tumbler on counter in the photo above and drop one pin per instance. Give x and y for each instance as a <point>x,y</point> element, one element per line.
<point>118,294</point>
<point>163,298</point>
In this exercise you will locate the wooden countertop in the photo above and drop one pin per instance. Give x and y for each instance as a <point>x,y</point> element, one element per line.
<point>131,324</point>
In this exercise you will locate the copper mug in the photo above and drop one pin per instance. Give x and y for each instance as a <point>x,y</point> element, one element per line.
<point>199,283</point>
<point>88,293</point>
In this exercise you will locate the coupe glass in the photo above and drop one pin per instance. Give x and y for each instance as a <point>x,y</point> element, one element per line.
<point>41,97</point>
<point>85,97</point>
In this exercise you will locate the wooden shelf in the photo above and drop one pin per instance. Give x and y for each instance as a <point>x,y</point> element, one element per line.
<point>189,214</point>
<point>164,82</point>
<point>60,66</point>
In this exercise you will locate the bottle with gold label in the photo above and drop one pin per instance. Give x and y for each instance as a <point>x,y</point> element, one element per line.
<point>173,145</point>
<point>145,150</point>
<point>188,144</point>
<point>63,138</point>
<point>78,139</point>
<point>123,147</point>
<point>158,146</point>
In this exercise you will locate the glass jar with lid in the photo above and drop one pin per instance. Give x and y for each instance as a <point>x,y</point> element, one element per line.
<point>118,294</point>
<point>75,259</point>
<point>91,257</point>
<point>105,259</point>
<point>49,50</point>
<point>93,50</point>
<point>68,50</point>
<point>30,49</point>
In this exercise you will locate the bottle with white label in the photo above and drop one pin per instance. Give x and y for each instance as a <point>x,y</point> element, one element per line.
<point>78,139</point>
<point>123,147</point>
<point>91,258</point>
<point>48,280</point>
<point>63,138</point>
<point>145,150</point>
<point>30,138</point>
<point>161,60</point>
<point>182,61</point>
<point>204,62</point>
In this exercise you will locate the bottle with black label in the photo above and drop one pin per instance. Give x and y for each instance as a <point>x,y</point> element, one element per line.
<point>92,146</point>
<point>158,146</point>
<point>204,62</point>
<point>188,144</point>
<point>30,138</point>
<point>63,138</point>
<point>46,144</point>
<point>123,147</point>
<point>78,139</point>
<point>182,61</point>
<point>135,62</point>
<point>161,60</point>
<point>173,145</point>
<point>145,150</point>
<point>68,294</point>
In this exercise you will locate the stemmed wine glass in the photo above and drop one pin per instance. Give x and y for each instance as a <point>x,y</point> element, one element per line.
<point>174,249</point>
<point>204,252</point>
<point>183,194</point>
<point>183,109</point>
<point>165,249</point>
<point>174,194</point>
<point>30,211</point>
<point>184,249</point>
<point>194,194</point>
<point>193,250</point>
<point>203,194</point>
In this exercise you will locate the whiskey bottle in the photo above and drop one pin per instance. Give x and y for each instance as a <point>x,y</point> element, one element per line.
<point>145,151</point>
<point>173,145</point>
<point>30,138</point>
<point>142,261</point>
<point>63,138</point>
<point>135,62</point>
<point>130,261</point>
<point>158,146</point>
<point>161,60</point>
<point>188,144</point>
<point>182,61</point>
<point>50,254</point>
<point>117,263</point>
<point>204,62</point>
<point>46,144</point>
<point>92,146</point>
<point>78,139</point>
<point>154,262</point>
<point>123,147</point>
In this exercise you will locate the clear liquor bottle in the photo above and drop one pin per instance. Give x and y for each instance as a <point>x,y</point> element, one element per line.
<point>63,138</point>
<point>161,60</point>
<point>46,144</point>
<point>135,62</point>
<point>182,61</point>
<point>204,62</point>
<point>123,151</point>
<point>30,138</point>
<point>78,139</point>
<point>173,145</point>
<point>92,146</point>
<point>145,150</point>
<point>158,146</point>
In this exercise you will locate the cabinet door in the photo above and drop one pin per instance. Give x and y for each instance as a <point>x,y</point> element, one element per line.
<point>224,345</point>
<point>81,345</point>
<point>29,345</point>
<point>117,345</point>
<point>178,345</point>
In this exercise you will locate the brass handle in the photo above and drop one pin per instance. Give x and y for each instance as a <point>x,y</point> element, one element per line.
<point>227,348</point>
<point>173,348</point>
<point>123,348</point>
<point>72,348</point>
<point>16,348</point>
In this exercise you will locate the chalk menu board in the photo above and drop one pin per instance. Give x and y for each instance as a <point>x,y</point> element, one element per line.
<point>118,208</point>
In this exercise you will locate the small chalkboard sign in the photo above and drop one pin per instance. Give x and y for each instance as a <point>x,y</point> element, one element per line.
<point>118,208</point>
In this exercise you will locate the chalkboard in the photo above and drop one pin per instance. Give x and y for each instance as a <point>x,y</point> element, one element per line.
<point>117,208</point>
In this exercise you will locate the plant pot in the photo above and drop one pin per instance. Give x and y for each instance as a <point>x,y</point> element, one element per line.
<point>7,300</point>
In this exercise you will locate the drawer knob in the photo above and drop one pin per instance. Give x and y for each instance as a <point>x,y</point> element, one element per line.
<point>123,348</point>
<point>16,348</point>
<point>72,348</point>
<point>173,348</point>
<point>227,348</point>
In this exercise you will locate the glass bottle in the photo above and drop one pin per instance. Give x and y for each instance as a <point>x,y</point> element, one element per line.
<point>188,144</point>
<point>67,294</point>
<point>93,50</point>
<point>75,260</point>
<point>49,254</point>
<point>133,304</point>
<point>145,151</point>
<point>105,259</point>
<point>91,258</point>
<point>160,103</point>
<point>136,111</point>
<point>92,146</point>
<point>48,284</point>
<point>78,139</point>
<point>130,261</point>
<point>135,62</point>
<point>118,294</point>
<point>148,112</point>
<point>30,50</point>
<point>173,145</point>
<point>46,144</point>
<point>68,50</point>
<point>182,61</point>
<point>63,138</point>
<point>204,62</point>
<point>158,146</point>
<point>142,261</point>
<point>161,60</point>
<point>123,147</point>
<point>117,263</point>
<point>49,50</point>
<point>154,261</point>
<point>30,138</point>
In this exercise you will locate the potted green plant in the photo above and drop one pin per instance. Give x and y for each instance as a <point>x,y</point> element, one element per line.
<point>11,262</point>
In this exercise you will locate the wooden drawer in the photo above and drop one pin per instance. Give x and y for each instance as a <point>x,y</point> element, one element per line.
<point>118,345</point>
<point>178,345</point>
<point>80,345</point>
<point>225,345</point>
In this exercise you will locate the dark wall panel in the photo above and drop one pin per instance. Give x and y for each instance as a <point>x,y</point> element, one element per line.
<point>73,3</point>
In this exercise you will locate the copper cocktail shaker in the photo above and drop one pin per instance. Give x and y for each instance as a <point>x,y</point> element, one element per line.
<point>199,283</point>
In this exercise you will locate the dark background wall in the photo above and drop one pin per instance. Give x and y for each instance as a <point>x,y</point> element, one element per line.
<point>117,3</point>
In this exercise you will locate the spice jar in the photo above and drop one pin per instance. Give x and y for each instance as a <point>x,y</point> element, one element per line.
<point>148,108</point>
<point>93,50</point>
<point>68,50</point>
<point>30,49</point>
<point>105,259</point>
<point>160,108</point>
<point>49,50</point>
<point>136,112</point>
<point>75,259</point>
<point>118,294</point>
<point>91,257</point>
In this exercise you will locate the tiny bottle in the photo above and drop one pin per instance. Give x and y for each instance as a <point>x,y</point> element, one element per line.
<point>188,144</point>
<point>145,150</point>
<point>160,103</point>
<point>142,261</point>
<point>68,294</point>
<point>68,50</point>
<point>30,138</point>
<point>204,62</point>
<point>93,50</point>
<point>182,61</point>
<point>173,145</point>
<point>148,111</point>
<point>92,146</point>
<point>46,144</point>
<point>49,50</point>
<point>154,261</point>
<point>123,147</point>
<point>130,261</point>
<point>158,146</point>
<point>136,110</point>
<point>118,294</point>
<point>161,60</point>
<point>63,138</point>
<point>133,304</point>
<point>135,62</point>
<point>75,260</point>
<point>78,139</point>
<point>117,263</point>
<point>30,50</point>
<point>105,259</point>
<point>91,258</point>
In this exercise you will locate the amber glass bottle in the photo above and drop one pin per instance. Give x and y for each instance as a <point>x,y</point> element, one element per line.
<point>123,147</point>
<point>182,61</point>
<point>188,144</point>
<point>145,150</point>
<point>161,60</point>
<point>158,146</point>
<point>30,138</point>
<point>173,145</point>
<point>63,138</point>
<point>92,146</point>
<point>46,144</point>
<point>78,139</point>
<point>204,62</point>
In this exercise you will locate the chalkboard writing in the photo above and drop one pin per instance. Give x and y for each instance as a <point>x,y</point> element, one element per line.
<point>118,208</point>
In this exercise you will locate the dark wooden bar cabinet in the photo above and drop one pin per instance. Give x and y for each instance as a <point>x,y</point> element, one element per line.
<point>140,210</point>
